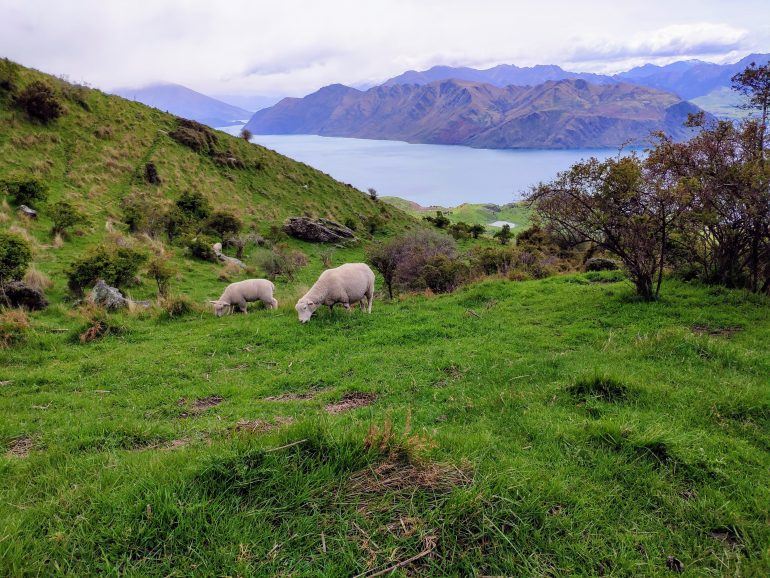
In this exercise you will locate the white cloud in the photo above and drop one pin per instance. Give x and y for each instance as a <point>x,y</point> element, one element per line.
<point>295,46</point>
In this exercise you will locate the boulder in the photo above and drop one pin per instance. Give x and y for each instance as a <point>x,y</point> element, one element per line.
<point>108,297</point>
<point>28,211</point>
<point>217,248</point>
<point>601,264</point>
<point>19,294</point>
<point>317,230</point>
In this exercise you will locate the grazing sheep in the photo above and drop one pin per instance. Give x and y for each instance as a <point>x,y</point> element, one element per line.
<point>347,284</point>
<point>238,294</point>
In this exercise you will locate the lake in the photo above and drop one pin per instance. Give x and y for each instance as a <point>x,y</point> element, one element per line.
<point>427,174</point>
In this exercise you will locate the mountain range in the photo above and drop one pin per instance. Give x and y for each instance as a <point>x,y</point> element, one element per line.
<point>688,78</point>
<point>187,103</point>
<point>555,114</point>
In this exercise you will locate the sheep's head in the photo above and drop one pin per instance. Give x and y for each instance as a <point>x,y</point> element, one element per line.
<point>220,307</point>
<point>305,309</point>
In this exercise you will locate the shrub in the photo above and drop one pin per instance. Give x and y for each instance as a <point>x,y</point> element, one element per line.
<point>9,75</point>
<point>200,247</point>
<point>161,270</point>
<point>14,327</point>
<point>601,264</point>
<point>281,261</point>
<point>177,306</point>
<point>223,224</point>
<point>373,224</point>
<point>351,224</point>
<point>246,134</point>
<point>195,136</point>
<point>96,325</point>
<point>15,255</point>
<point>460,230</point>
<point>118,267</point>
<point>440,221</point>
<point>40,102</point>
<point>402,260</point>
<point>372,193</point>
<point>276,234</point>
<point>28,191</point>
<point>64,216</point>
<point>151,174</point>
<point>504,235</point>
<point>443,274</point>
<point>477,230</point>
<point>194,205</point>
<point>494,260</point>
<point>144,213</point>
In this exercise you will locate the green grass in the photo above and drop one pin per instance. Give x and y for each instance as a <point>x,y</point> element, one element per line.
<point>470,213</point>
<point>598,434</point>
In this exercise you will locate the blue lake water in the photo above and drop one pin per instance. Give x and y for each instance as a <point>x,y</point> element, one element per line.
<point>428,174</point>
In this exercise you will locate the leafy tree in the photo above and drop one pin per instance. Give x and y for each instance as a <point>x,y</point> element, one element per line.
<point>477,230</point>
<point>504,235</point>
<point>754,84</point>
<point>460,230</point>
<point>372,193</point>
<point>246,134</point>
<point>223,223</point>
<point>621,207</point>
<point>64,216</point>
<point>385,257</point>
<point>15,255</point>
<point>28,191</point>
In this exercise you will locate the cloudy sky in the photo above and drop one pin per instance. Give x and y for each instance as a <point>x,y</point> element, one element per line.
<point>292,47</point>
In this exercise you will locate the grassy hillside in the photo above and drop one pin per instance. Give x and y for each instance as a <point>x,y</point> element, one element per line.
<point>95,155</point>
<point>547,427</point>
<point>471,213</point>
<point>555,427</point>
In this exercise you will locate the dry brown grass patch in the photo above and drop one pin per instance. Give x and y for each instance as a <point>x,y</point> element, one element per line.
<point>716,331</point>
<point>14,327</point>
<point>351,400</point>
<point>260,426</point>
<point>37,279</point>
<point>20,447</point>
<point>199,405</point>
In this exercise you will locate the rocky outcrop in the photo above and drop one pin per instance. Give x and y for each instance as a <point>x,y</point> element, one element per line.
<point>222,258</point>
<point>108,297</point>
<point>601,264</point>
<point>317,230</point>
<point>28,211</point>
<point>19,294</point>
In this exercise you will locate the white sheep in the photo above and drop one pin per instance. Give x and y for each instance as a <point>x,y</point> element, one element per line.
<point>236,295</point>
<point>347,284</point>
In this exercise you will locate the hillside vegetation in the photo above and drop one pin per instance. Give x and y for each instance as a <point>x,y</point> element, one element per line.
<point>471,213</point>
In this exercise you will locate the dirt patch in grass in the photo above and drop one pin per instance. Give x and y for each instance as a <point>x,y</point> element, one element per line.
<point>260,426</point>
<point>293,396</point>
<point>716,331</point>
<point>199,405</point>
<point>20,447</point>
<point>728,535</point>
<point>351,400</point>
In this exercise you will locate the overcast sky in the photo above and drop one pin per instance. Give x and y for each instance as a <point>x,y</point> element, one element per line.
<point>292,47</point>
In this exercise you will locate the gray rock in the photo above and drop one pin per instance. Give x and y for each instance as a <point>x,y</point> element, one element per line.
<point>317,230</point>
<point>28,211</point>
<point>217,248</point>
<point>108,297</point>
<point>19,294</point>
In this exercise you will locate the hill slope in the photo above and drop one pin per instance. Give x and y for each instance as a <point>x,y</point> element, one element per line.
<point>187,103</point>
<point>95,156</point>
<point>563,114</point>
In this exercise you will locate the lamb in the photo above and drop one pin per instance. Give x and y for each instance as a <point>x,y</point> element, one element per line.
<point>236,295</point>
<point>347,284</point>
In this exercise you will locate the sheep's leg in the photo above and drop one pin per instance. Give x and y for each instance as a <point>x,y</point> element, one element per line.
<point>346,306</point>
<point>362,304</point>
<point>370,297</point>
<point>242,307</point>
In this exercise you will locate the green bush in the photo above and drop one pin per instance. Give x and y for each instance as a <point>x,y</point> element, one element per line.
<point>64,216</point>
<point>145,213</point>
<point>282,261</point>
<point>223,224</point>
<point>28,191</point>
<point>161,270</point>
<point>194,205</point>
<point>15,255</point>
<point>9,75</point>
<point>195,136</point>
<point>40,102</point>
<point>443,274</point>
<point>494,260</point>
<point>200,247</point>
<point>118,267</point>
